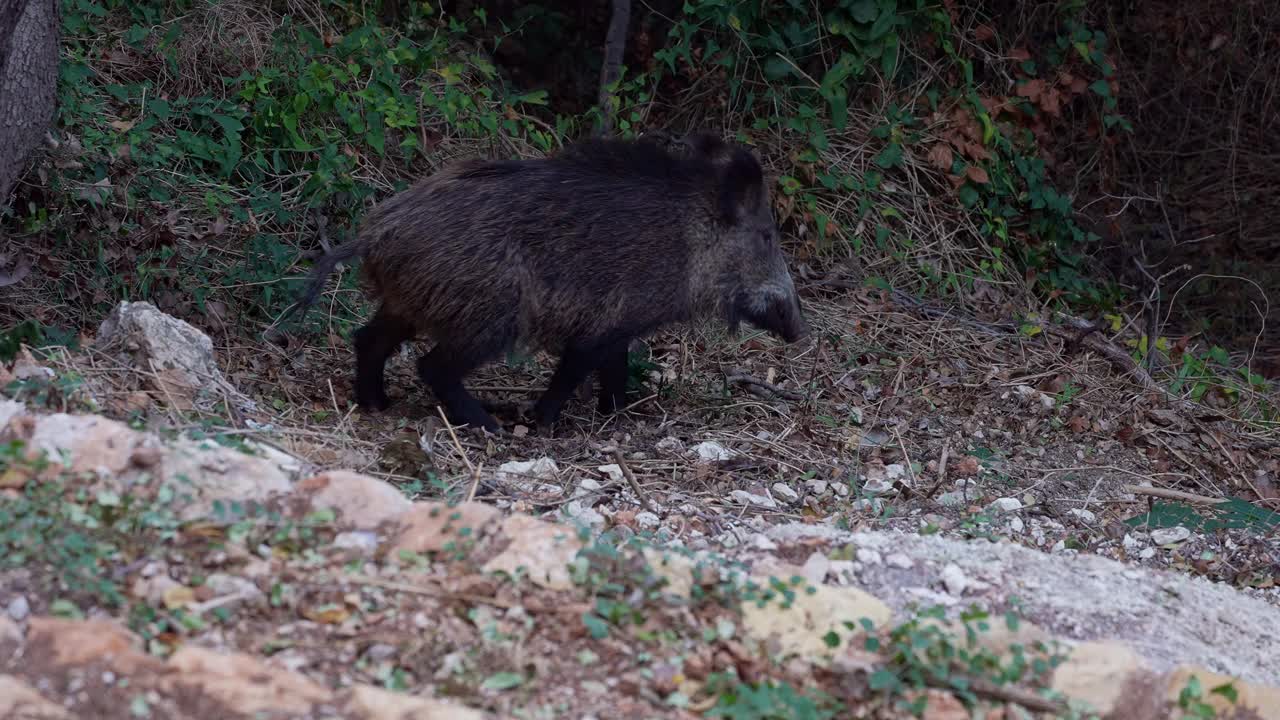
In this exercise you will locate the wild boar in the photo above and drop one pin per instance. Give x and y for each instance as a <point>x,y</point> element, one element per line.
<point>576,254</point>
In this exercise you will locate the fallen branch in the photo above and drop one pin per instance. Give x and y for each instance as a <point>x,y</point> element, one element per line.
<point>760,388</point>
<point>1166,494</point>
<point>631,479</point>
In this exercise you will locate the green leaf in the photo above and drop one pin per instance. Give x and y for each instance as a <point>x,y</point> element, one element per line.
<point>864,11</point>
<point>1101,87</point>
<point>968,195</point>
<point>777,68</point>
<point>891,156</point>
<point>598,628</point>
<point>502,681</point>
<point>1228,691</point>
<point>882,679</point>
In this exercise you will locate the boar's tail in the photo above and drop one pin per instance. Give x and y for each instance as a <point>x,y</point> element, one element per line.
<point>323,267</point>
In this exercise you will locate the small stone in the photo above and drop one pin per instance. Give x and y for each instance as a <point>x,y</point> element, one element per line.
<point>585,514</point>
<point>899,561</point>
<point>1168,536</point>
<point>711,451</point>
<point>1016,525</point>
<point>818,487</point>
<point>878,487</point>
<point>648,521</point>
<point>588,487</point>
<point>1083,516</point>
<point>362,541</point>
<point>784,491</point>
<point>380,651</point>
<point>223,586</point>
<point>1131,544</point>
<point>522,471</point>
<point>760,541</point>
<point>867,556</point>
<point>612,471</point>
<point>953,578</point>
<point>668,446</point>
<point>954,498</point>
<point>815,568</point>
<point>1058,546</point>
<point>873,506</point>
<point>1006,504</point>
<point>1147,553</point>
<point>895,471</point>
<point>841,489</point>
<point>19,608</point>
<point>747,498</point>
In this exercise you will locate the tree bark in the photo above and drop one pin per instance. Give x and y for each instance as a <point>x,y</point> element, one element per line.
<point>28,83</point>
<point>615,44</point>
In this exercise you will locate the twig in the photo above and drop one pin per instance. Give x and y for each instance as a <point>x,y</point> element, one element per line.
<point>942,470</point>
<point>631,479</point>
<point>475,472</point>
<point>1167,494</point>
<point>760,388</point>
<point>1025,698</point>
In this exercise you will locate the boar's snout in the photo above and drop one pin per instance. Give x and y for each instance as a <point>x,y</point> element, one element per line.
<point>777,313</point>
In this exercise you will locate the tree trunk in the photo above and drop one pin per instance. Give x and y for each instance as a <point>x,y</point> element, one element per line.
<point>28,82</point>
<point>615,45</point>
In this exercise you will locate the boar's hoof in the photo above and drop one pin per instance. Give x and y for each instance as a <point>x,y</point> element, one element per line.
<point>373,402</point>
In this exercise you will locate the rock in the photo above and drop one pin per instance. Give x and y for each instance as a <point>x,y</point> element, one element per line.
<point>360,500</point>
<point>1146,553</point>
<point>954,579</point>
<point>226,586</point>
<point>877,487</point>
<point>785,492</point>
<point>669,446</point>
<point>515,471</point>
<point>366,702</point>
<point>433,527</point>
<point>361,541</point>
<point>203,473</point>
<point>90,443</point>
<point>895,471</point>
<point>800,627</point>
<point>69,643</point>
<point>815,568</point>
<point>1132,545</point>
<point>841,489</point>
<point>899,561</point>
<point>747,498</point>
<point>1098,673</point>
<point>176,356</point>
<point>647,520</point>
<point>1006,504</point>
<point>581,511</point>
<point>18,608</point>
<point>942,705</point>
<point>540,549</point>
<point>760,541</point>
<point>1083,516</point>
<point>1169,536</point>
<point>818,487</point>
<point>612,471</point>
<point>712,451</point>
<point>20,700</point>
<point>588,488</point>
<point>955,498</point>
<point>244,684</point>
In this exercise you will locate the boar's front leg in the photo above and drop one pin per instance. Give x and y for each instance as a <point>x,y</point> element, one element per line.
<point>576,363</point>
<point>374,344</point>
<point>443,370</point>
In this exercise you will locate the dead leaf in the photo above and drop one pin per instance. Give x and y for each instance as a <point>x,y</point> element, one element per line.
<point>1019,54</point>
<point>1078,424</point>
<point>178,596</point>
<point>1031,89</point>
<point>966,466</point>
<point>941,157</point>
<point>983,33</point>
<point>977,174</point>
<point>1217,42</point>
<point>21,268</point>
<point>123,125</point>
<point>14,478</point>
<point>327,614</point>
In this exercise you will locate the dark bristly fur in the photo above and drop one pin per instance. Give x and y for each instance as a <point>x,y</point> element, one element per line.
<point>576,254</point>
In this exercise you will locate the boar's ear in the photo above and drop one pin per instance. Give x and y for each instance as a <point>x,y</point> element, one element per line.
<point>706,145</point>
<point>741,186</point>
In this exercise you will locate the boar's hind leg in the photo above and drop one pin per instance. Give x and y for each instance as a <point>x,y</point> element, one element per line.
<point>374,343</point>
<point>613,381</point>
<point>443,369</point>
<point>576,363</point>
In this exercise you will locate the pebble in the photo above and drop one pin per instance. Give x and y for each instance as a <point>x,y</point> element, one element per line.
<point>815,568</point>
<point>760,541</point>
<point>380,651</point>
<point>953,578</point>
<point>19,608</point>
<point>711,451</point>
<point>1015,524</point>
<point>668,445</point>
<point>647,520</point>
<point>1006,504</point>
<point>878,487</point>
<point>900,561</point>
<point>895,471</point>
<point>747,498</point>
<point>582,511</point>
<point>954,498</point>
<point>1167,536</point>
<point>841,489</point>
<point>867,556</point>
<point>784,491</point>
<point>818,487</point>
<point>361,540</point>
<point>1147,553</point>
<point>1084,516</point>
<point>1131,544</point>
<point>873,506</point>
